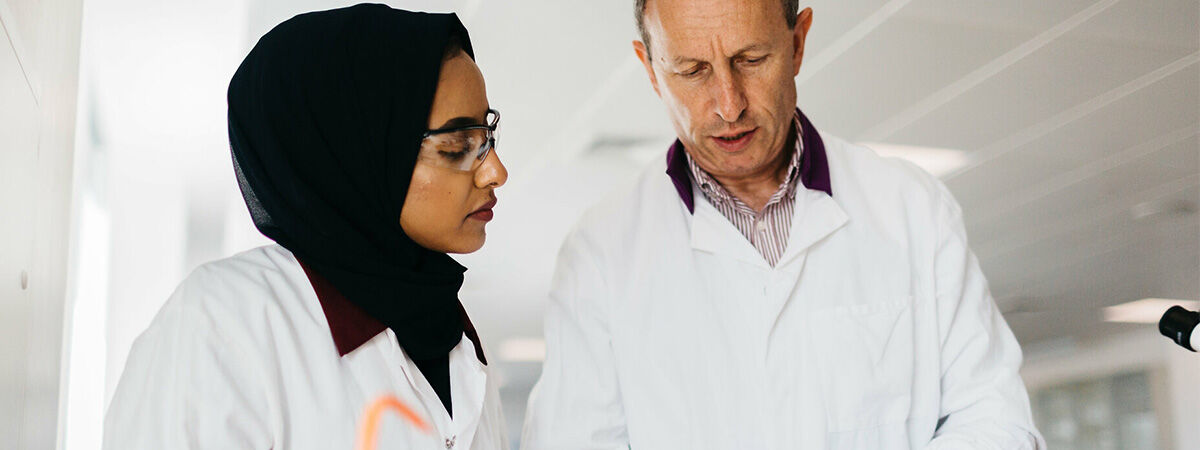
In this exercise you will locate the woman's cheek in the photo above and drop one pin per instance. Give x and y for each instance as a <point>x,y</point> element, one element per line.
<point>439,201</point>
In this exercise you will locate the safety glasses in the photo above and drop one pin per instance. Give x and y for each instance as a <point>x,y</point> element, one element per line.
<point>461,148</point>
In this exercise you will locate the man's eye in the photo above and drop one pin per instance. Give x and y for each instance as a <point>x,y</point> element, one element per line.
<point>754,60</point>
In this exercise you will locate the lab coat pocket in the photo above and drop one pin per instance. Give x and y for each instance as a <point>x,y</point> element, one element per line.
<point>865,356</point>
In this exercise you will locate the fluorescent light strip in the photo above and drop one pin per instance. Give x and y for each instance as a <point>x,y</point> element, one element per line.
<point>523,350</point>
<point>1146,310</point>
<point>937,161</point>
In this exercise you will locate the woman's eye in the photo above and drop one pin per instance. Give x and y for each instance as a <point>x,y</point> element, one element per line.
<point>455,148</point>
<point>454,155</point>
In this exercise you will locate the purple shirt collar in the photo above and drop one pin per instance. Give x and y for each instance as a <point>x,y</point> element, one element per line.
<point>814,167</point>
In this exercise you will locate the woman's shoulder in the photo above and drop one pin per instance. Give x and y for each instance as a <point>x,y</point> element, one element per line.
<point>254,274</point>
<point>265,260</point>
<point>203,356</point>
<point>244,290</point>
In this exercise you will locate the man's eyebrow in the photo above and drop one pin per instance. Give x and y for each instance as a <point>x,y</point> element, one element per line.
<point>460,122</point>
<point>680,60</point>
<point>753,47</point>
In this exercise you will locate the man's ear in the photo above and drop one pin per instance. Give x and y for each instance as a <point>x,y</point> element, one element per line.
<point>644,56</point>
<point>799,37</point>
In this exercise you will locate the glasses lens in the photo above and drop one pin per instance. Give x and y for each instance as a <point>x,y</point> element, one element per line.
<point>458,150</point>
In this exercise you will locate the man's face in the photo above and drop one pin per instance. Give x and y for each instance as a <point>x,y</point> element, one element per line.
<point>725,70</point>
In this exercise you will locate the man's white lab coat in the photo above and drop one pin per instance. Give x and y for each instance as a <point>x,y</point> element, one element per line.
<point>667,330</point>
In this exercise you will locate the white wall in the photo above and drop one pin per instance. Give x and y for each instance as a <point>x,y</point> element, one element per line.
<point>39,56</point>
<point>1175,375</point>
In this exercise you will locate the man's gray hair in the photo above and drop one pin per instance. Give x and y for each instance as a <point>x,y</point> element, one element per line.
<point>790,9</point>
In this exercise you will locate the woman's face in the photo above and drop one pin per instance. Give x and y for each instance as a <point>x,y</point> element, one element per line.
<point>447,209</point>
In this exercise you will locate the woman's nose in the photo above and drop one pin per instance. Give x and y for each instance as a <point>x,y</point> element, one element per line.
<point>492,172</point>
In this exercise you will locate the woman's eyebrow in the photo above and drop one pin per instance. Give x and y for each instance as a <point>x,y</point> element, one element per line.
<point>460,122</point>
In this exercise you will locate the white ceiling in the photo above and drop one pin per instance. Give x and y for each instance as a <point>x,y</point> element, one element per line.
<point>1071,113</point>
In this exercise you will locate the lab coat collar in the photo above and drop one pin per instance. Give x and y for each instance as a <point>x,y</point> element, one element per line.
<point>814,167</point>
<point>815,217</point>
<point>352,327</point>
<point>711,231</point>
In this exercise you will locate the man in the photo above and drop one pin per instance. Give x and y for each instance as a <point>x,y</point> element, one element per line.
<point>775,287</point>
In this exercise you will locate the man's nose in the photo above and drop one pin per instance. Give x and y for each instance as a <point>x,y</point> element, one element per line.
<point>731,98</point>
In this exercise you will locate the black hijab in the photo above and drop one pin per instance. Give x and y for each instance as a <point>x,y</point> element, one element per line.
<point>326,115</point>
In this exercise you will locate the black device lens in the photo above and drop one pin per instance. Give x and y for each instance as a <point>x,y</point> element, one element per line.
<point>1178,324</point>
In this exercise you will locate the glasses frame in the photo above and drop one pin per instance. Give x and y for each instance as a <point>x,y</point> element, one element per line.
<point>492,127</point>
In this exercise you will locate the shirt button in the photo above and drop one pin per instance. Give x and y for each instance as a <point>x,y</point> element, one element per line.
<point>762,226</point>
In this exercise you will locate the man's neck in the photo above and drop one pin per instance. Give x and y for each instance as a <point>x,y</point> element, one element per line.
<point>756,190</point>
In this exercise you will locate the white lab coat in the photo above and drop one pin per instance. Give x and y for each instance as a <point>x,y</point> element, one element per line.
<point>667,330</point>
<point>241,357</point>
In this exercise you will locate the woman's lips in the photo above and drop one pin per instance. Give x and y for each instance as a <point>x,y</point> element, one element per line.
<point>484,213</point>
<point>733,145</point>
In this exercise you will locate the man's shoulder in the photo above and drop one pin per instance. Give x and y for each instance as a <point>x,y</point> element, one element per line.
<point>857,169</point>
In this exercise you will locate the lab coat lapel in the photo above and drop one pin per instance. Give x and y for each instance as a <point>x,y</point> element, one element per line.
<point>818,217</point>
<point>430,403</point>
<point>470,394</point>
<point>712,232</point>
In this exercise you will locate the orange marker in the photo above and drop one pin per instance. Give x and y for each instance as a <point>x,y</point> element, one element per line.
<point>370,423</point>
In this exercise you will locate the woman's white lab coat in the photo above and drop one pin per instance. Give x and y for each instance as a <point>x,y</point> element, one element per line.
<point>242,358</point>
<point>667,330</point>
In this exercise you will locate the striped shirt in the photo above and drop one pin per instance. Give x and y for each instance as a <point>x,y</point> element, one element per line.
<point>767,230</point>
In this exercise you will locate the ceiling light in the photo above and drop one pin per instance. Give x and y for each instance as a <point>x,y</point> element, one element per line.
<point>1165,207</point>
<point>523,350</point>
<point>1146,310</point>
<point>937,161</point>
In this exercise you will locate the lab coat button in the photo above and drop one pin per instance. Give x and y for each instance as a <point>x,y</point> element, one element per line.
<point>450,442</point>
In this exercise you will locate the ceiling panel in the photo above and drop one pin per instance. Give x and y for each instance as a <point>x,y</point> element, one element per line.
<point>1063,300</point>
<point>1025,16</point>
<point>1153,113</point>
<point>1035,261</point>
<point>928,45</point>
<point>1162,23</point>
<point>1106,198</point>
<point>1066,72</point>
<point>901,62</point>
<point>833,18</point>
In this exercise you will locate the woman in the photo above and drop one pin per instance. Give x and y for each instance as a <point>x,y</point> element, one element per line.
<point>362,143</point>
